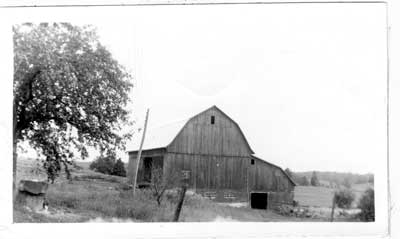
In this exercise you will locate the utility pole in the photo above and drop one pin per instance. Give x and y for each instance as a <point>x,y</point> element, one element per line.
<point>140,153</point>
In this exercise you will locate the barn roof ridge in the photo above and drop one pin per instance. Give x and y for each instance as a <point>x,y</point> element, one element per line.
<point>223,113</point>
<point>237,125</point>
<point>166,124</point>
<point>177,126</point>
<point>154,139</point>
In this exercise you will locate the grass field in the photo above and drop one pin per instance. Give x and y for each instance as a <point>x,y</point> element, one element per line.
<point>313,196</point>
<point>96,197</point>
<point>322,196</point>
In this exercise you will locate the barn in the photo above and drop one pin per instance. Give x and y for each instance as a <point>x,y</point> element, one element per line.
<point>211,151</point>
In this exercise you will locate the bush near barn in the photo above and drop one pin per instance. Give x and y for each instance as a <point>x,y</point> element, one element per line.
<point>367,206</point>
<point>108,165</point>
<point>344,198</point>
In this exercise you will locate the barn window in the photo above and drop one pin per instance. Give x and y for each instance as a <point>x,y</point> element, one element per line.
<point>185,174</point>
<point>212,119</point>
<point>229,195</point>
<point>210,195</point>
<point>252,161</point>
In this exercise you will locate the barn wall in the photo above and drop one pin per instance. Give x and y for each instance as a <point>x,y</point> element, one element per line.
<point>276,199</point>
<point>199,136</point>
<point>210,173</point>
<point>266,177</point>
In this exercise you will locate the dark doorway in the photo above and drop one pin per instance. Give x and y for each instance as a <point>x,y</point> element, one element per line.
<point>147,163</point>
<point>259,200</point>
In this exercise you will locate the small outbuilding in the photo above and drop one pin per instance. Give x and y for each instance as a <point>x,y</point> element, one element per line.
<point>211,150</point>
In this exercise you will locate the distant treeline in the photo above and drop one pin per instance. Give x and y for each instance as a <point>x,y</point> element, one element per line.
<point>329,179</point>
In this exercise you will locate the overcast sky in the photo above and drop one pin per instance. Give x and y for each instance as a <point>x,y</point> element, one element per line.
<point>306,83</point>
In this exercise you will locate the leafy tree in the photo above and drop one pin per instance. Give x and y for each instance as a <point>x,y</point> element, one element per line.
<point>304,181</point>
<point>367,206</point>
<point>119,169</point>
<point>314,179</point>
<point>103,164</point>
<point>69,93</point>
<point>344,198</point>
<point>346,182</point>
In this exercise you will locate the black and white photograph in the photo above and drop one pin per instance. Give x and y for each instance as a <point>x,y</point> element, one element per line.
<point>198,114</point>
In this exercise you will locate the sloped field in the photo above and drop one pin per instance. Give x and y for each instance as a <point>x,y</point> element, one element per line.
<point>313,196</point>
<point>322,196</point>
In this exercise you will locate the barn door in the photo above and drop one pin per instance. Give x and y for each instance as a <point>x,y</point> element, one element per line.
<point>219,178</point>
<point>214,166</point>
<point>218,167</point>
<point>147,163</point>
<point>213,173</point>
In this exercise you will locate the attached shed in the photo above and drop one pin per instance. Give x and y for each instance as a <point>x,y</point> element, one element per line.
<point>211,150</point>
<point>269,181</point>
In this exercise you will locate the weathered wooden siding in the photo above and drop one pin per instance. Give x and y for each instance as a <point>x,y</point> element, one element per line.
<point>266,177</point>
<point>199,136</point>
<point>276,199</point>
<point>209,171</point>
<point>132,164</point>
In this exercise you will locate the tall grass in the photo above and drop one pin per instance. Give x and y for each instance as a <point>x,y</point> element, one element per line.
<point>111,203</point>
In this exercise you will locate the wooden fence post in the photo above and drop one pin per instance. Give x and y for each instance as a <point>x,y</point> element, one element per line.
<point>185,184</point>
<point>333,207</point>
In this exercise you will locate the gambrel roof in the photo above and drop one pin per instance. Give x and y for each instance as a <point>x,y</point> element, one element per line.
<point>163,136</point>
<point>158,137</point>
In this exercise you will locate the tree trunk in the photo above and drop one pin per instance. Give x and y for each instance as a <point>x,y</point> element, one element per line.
<point>180,203</point>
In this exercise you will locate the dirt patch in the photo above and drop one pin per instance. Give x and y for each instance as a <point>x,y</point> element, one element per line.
<point>113,219</point>
<point>25,214</point>
<point>235,204</point>
<point>224,219</point>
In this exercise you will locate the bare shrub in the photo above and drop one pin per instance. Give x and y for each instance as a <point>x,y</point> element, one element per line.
<point>160,183</point>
